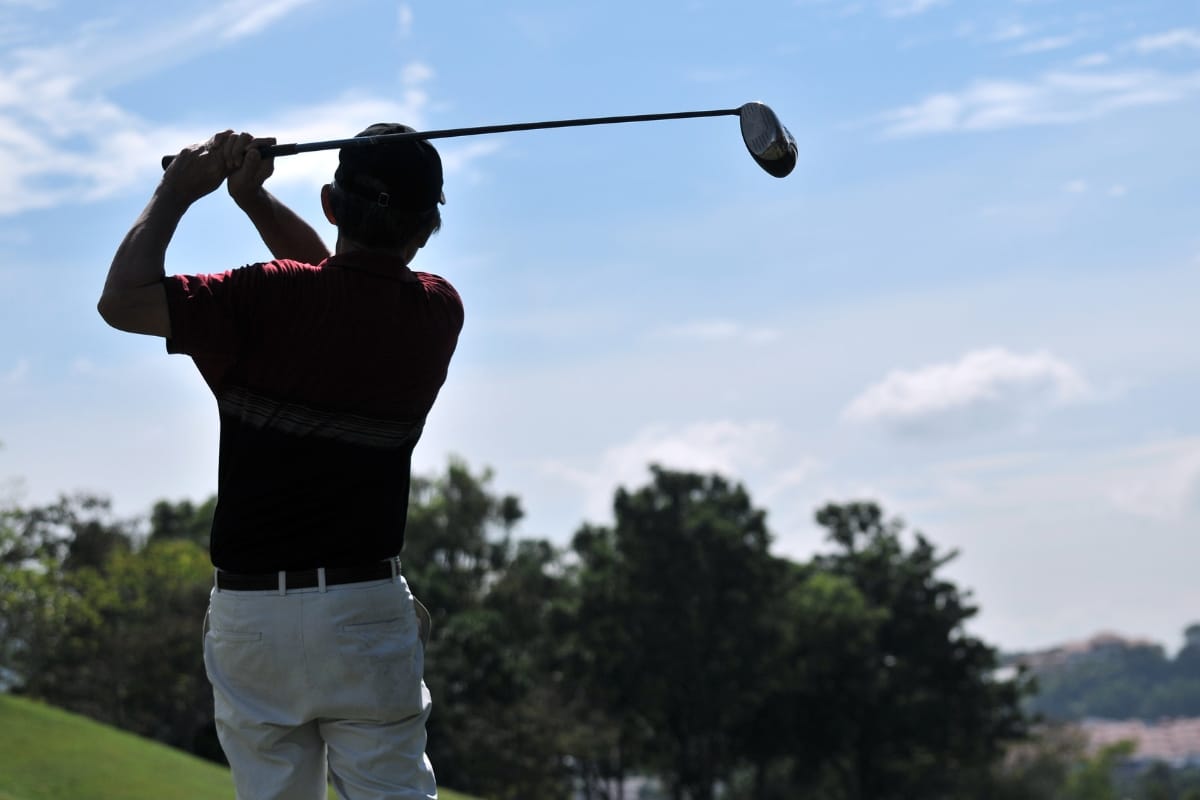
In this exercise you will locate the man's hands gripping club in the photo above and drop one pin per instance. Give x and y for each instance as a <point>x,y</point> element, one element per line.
<point>199,169</point>
<point>134,298</point>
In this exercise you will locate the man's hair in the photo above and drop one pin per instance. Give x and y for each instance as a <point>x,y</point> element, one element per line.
<point>366,223</point>
<point>386,194</point>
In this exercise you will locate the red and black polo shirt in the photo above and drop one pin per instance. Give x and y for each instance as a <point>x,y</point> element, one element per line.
<point>323,377</point>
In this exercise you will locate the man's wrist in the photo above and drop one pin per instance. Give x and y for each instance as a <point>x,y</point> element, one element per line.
<point>168,198</point>
<point>253,201</point>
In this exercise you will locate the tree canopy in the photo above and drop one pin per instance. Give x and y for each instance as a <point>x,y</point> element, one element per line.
<point>671,644</point>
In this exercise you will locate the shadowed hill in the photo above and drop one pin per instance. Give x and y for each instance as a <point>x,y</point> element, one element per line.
<point>50,754</point>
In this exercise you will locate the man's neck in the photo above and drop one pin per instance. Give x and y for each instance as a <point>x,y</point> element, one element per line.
<point>346,246</point>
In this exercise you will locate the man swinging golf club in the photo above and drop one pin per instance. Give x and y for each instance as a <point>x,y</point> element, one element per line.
<point>324,368</point>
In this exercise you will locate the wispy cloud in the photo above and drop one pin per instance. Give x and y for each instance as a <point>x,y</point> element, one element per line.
<point>404,20</point>
<point>64,140</point>
<point>1056,98</point>
<point>982,390</point>
<point>253,17</point>
<point>1009,32</point>
<point>726,447</point>
<point>17,374</point>
<point>1046,44</point>
<point>1161,481</point>
<point>1093,60</point>
<point>1177,39</point>
<point>910,8</point>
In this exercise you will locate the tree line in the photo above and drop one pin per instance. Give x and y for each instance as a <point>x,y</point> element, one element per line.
<point>1132,680</point>
<point>670,645</point>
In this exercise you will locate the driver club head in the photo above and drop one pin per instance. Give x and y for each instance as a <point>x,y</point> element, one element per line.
<point>770,144</point>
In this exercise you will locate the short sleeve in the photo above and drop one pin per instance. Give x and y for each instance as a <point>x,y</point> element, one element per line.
<point>208,312</point>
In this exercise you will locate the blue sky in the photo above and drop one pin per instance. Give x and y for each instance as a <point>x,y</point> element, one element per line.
<point>974,300</point>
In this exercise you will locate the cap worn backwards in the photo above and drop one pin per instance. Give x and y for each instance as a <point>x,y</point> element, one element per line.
<point>405,175</point>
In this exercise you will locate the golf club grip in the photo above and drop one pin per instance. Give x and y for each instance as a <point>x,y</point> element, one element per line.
<point>269,151</point>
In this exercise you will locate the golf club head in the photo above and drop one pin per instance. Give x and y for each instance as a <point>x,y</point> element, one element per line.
<point>771,144</point>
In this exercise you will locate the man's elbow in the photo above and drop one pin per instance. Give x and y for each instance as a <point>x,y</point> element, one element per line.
<point>109,310</point>
<point>135,312</point>
<point>117,312</point>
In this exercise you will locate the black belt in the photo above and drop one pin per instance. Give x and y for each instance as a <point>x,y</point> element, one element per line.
<point>305,578</point>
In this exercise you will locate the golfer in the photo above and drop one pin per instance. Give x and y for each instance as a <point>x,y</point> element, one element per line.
<point>324,368</point>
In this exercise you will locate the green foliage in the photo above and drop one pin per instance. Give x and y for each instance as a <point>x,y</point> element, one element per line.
<point>672,644</point>
<point>1122,681</point>
<point>183,521</point>
<point>674,629</point>
<point>919,710</point>
<point>1093,778</point>
<point>498,721</point>
<point>1039,768</point>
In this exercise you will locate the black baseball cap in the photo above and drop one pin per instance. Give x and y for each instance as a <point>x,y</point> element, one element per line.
<point>405,175</point>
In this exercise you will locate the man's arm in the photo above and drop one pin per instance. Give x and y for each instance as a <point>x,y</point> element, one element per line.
<point>285,234</point>
<point>134,299</point>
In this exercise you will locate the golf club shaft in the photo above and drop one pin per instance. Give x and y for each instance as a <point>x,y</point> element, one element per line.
<point>271,151</point>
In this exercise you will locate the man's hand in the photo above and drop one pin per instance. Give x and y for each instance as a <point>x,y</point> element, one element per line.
<point>201,168</point>
<point>246,182</point>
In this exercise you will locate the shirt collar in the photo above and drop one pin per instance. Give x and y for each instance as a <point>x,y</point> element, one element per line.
<point>384,265</point>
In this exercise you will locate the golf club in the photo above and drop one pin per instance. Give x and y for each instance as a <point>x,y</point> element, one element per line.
<point>769,143</point>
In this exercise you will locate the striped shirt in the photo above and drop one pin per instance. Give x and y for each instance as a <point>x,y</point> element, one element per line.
<point>323,376</point>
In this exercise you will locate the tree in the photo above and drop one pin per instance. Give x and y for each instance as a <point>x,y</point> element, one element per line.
<point>1092,779</point>
<point>98,625</point>
<point>74,531</point>
<point>498,719</point>
<point>182,520</point>
<point>930,717</point>
<point>458,532</point>
<point>674,623</point>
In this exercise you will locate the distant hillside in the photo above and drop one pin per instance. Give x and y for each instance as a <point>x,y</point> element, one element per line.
<point>50,754</point>
<point>1114,677</point>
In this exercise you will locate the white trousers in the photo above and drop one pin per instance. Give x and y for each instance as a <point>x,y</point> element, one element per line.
<point>311,682</point>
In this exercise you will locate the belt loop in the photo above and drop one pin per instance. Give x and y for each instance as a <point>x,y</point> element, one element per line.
<point>321,579</point>
<point>216,580</point>
<point>395,562</point>
<point>282,582</point>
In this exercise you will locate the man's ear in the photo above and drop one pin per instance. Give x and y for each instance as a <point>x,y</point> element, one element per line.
<point>327,203</point>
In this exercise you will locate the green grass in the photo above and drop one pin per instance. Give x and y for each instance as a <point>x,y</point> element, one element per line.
<point>50,754</point>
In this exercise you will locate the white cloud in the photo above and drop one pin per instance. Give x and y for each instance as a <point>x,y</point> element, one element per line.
<point>910,8</point>
<point>1159,482</point>
<point>1180,38</point>
<point>1046,44</point>
<point>253,17</point>
<point>1093,60</point>
<point>1009,32</point>
<point>1077,186</point>
<point>63,140</point>
<point>404,20</point>
<point>16,375</point>
<point>1057,98</point>
<point>985,389</point>
<point>726,447</point>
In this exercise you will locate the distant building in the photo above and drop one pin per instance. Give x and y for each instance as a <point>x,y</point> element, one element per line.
<point>1173,741</point>
<point>1098,646</point>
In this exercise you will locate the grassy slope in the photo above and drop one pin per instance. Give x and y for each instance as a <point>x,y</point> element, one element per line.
<point>50,754</point>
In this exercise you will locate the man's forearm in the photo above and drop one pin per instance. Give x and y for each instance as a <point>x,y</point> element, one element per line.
<point>284,233</point>
<point>141,258</point>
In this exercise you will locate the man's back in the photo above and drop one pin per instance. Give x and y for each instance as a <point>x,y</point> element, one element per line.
<point>323,376</point>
